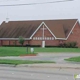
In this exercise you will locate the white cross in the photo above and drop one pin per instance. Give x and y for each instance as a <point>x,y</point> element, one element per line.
<point>43,30</point>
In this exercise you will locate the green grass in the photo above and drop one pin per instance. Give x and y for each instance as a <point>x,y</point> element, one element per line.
<point>14,51</point>
<point>74,59</point>
<point>17,62</point>
<point>17,51</point>
<point>57,50</point>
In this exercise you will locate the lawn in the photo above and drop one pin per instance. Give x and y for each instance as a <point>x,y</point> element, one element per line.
<point>17,51</point>
<point>14,51</point>
<point>16,62</point>
<point>57,50</point>
<point>75,59</point>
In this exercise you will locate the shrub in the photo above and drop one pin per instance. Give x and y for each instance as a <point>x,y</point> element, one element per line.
<point>73,44</point>
<point>69,45</point>
<point>21,40</point>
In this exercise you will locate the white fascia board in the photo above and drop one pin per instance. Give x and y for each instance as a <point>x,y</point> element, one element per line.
<point>49,30</point>
<point>72,29</point>
<point>13,38</point>
<point>78,22</point>
<point>36,30</point>
<point>60,38</point>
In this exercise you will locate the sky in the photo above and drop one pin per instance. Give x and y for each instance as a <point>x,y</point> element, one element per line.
<point>63,10</point>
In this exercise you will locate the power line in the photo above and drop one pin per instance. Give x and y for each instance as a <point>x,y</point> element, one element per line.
<point>7,0</point>
<point>36,3</point>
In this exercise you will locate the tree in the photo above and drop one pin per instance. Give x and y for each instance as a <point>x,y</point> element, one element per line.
<point>21,40</point>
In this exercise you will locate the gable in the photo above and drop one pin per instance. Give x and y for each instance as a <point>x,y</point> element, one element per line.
<point>61,28</point>
<point>41,25</point>
<point>43,34</point>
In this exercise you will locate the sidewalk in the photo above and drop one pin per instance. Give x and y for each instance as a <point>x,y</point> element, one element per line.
<point>58,58</point>
<point>45,65</point>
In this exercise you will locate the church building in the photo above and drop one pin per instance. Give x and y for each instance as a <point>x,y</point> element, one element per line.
<point>40,32</point>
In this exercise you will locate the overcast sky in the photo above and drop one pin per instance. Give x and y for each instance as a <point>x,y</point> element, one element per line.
<point>64,10</point>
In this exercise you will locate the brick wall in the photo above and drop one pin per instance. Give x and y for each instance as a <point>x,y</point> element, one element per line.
<point>5,42</point>
<point>39,33</point>
<point>75,35</point>
<point>0,42</point>
<point>52,42</point>
<point>11,42</point>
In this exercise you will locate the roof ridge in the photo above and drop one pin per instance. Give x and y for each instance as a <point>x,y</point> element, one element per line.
<point>41,20</point>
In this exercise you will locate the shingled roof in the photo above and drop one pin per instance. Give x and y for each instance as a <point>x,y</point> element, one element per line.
<point>14,29</point>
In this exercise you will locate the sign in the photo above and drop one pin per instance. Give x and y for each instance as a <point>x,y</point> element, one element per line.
<point>32,50</point>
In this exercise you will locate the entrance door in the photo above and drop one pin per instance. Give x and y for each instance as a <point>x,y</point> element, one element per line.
<point>43,44</point>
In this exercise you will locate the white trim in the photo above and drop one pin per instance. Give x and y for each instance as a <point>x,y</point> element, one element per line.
<point>43,31</point>
<point>13,38</point>
<point>72,29</point>
<point>49,30</point>
<point>61,38</point>
<point>78,22</point>
<point>36,30</point>
<point>69,33</point>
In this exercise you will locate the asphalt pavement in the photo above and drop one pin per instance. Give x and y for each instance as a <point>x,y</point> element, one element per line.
<point>11,73</point>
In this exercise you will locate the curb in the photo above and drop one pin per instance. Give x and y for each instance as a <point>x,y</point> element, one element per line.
<point>7,65</point>
<point>59,66</point>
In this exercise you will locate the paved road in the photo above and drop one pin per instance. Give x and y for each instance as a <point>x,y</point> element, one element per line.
<point>57,57</point>
<point>10,73</point>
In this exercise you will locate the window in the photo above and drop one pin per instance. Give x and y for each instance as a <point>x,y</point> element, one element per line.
<point>52,38</point>
<point>36,38</point>
<point>33,38</point>
<point>40,38</point>
<point>45,38</point>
